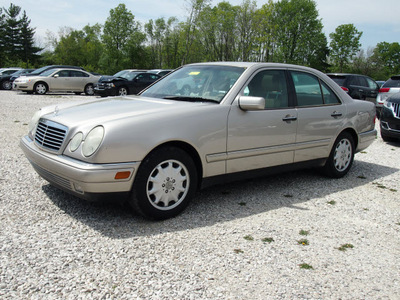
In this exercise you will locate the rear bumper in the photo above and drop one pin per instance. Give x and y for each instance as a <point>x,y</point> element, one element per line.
<point>365,139</point>
<point>82,179</point>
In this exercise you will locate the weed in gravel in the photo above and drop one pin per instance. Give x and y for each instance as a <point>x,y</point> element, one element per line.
<point>242,203</point>
<point>238,251</point>
<point>248,238</point>
<point>362,177</point>
<point>288,196</point>
<point>267,240</point>
<point>393,190</point>
<point>332,202</point>
<point>344,247</point>
<point>306,266</point>
<point>16,121</point>
<point>303,232</point>
<point>303,242</point>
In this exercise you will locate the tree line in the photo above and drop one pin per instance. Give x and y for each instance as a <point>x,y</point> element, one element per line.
<point>285,31</point>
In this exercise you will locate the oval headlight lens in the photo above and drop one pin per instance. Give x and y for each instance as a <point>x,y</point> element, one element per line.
<point>92,141</point>
<point>75,142</point>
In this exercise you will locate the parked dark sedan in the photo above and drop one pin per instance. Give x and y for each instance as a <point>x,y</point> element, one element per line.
<point>124,82</point>
<point>357,86</point>
<point>7,80</point>
<point>390,118</point>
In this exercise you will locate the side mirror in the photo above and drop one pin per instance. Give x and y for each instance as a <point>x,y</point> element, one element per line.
<point>251,103</point>
<point>56,76</point>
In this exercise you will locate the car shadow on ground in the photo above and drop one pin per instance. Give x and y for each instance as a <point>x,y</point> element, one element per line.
<point>221,203</point>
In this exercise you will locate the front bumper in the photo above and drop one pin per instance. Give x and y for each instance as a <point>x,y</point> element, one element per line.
<point>104,92</point>
<point>82,179</point>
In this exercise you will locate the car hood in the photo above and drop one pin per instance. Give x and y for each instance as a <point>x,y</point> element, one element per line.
<point>116,108</point>
<point>110,79</point>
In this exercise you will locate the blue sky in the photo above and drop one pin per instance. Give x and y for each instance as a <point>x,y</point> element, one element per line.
<point>378,20</point>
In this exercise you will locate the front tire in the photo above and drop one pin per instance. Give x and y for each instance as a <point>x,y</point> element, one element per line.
<point>341,157</point>
<point>164,184</point>
<point>122,91</point>
<point>7,85</point>
<point>40,88</point>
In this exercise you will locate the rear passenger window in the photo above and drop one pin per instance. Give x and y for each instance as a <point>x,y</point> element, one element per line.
<point>311,92</point>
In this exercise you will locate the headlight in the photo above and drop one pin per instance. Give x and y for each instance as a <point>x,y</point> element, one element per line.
<point>75,142</point>
<point>34,121</point>
<point>387,104</point>
<point>110,85</point>
<point>93,141</point>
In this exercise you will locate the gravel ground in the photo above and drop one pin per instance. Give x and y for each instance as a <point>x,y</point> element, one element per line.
<point>235,241</point>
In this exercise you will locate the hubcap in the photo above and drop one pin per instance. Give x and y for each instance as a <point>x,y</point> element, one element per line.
<point>123,92</point>
<point>7,85</point>
<point>41,89</point>
<point>168,185</point>
<point>342,157</point>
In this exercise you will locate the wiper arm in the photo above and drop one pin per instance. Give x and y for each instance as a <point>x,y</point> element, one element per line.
<point>190,99</point>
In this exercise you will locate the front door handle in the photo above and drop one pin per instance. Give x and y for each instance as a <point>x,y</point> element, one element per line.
<point>289,118</point>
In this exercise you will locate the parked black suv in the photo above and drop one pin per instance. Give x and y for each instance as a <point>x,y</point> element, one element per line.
<point>390,118</point>
<point>358,86</point>
<point>124,82</point>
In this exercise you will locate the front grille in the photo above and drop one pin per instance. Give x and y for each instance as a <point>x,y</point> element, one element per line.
<point>50,135</point>
<point>53,178</point>
<point>396,109</point>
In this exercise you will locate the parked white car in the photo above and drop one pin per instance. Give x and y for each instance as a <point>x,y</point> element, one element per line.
<point>390,87</point>
<point>58,80</point>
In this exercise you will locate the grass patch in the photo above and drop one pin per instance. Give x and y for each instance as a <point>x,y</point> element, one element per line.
<point>344,247</point>
<point>238,251</point>
<point>267,240</point>
<point>248,238</point>
<point>306,266</point>
<point>304,232</point>
<point>242,203</point>
<point>362,177</point>
<point>288,196</point>
<point>303,242</point>
<point>332,202</point>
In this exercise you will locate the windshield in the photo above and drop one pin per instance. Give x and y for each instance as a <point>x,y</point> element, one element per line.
<point>126,74</point>
<point>196,82</point>
<point>48,72</point>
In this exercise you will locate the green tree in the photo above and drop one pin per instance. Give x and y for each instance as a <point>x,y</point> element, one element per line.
<point>11,38</point>
<point>345,43</point>
<point>118,38</point>
<point>298,31</point>
<point>388,56</point>
<point>2,37</point>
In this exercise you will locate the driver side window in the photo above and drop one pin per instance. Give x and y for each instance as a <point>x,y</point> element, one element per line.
<point>271,85</point>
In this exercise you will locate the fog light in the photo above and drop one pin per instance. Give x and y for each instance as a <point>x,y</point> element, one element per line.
<point>122,175</point>
<point>78,188</point>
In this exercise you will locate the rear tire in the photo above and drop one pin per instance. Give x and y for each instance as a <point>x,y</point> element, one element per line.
<point>164,184</point>
<point>341,157</point>
<point>89,90</point>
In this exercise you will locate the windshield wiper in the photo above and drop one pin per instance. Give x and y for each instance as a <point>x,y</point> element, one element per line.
<point>190,99</point>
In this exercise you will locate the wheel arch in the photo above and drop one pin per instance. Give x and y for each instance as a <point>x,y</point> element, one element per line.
<point>41,82</point>
<point>190,150</point>
<point>353,134</point>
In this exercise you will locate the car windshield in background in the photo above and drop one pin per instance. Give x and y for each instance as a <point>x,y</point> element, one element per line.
<point>338,79</point>
<point>126,74</point>
<point>47,73</point>
<point>196,82</point>
<point>394,81</point>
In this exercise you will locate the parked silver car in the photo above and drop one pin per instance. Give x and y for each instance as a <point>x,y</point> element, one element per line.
<point>158,148</point>
<point>58,80</point>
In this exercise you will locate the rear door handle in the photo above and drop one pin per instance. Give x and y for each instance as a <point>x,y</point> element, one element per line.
<point>336,114</point>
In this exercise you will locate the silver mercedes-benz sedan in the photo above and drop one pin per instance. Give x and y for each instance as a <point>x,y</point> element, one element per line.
<point>156,149</point>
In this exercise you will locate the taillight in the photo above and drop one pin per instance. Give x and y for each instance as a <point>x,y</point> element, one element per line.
<point>345,89</point>
<point>384,90</point>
